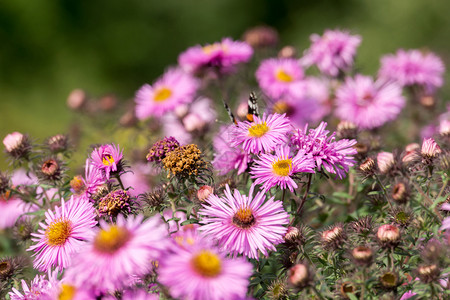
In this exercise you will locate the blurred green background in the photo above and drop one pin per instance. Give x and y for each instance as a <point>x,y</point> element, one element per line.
<point>48,48</point>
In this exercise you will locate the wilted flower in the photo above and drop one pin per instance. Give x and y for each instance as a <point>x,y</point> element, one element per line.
<point>389,280</point>
<point>115,202</point>
<point>184,161</point>
<point>161,148</point>
<point>368,167</point>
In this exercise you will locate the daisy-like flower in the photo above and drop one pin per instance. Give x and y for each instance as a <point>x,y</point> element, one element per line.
<point>278,77</point>
<point>332,52</point>
<point>446,221</point>
<point>228,158</point>
<point>413,67</point>
<point>139,295</point>
<point>335,157</point>
<point>369,104</point>
<point>63,234</point>
<point>223,56</point>
<point>115,252</point>
<point>277,170</point>
<point>175,87</point>
<point>83,188</point>
<point>38,289</point>
<point>244,224</point>
<point>107,158</point>
<point>64,290</point>
<point>201,272</point>
<point>263,134</point>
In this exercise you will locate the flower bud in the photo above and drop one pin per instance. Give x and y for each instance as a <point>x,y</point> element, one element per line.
<point>242,110</point>
<point>292,234</point>
<point>385,162</point>
<point>17,145</point>
<point>428,273</point>
<point>204,192</point>
<point>261,36</point>
<point>299,276</point>
<point>333,237</point>
<point>362,255</point>
<point>400,192</point>
<point>192,122</point>
<point>287,52</point>
<point>58,143</point>
<point>346,130</point>
<point>367,167</point>
<point>108,103</point>
<point>430,149</point>
<point>388,235</point>
<point>444,128</point>
<point>50,171</point>
<point>363,225</point>
<point>77,99</point>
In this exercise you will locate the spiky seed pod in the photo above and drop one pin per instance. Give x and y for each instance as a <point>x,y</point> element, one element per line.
<point>57,143</point>
<point>4,183</point>
<point>333,237</point>
<point>203,192</point>
<point>22,230</point>
<point>428,273</point>
<point>362,255</point>
<point>400,192</point>
<point>11,267</point>
<point>401,216</point>
<point>364,225</point>
<point>154,198</point>
<point>300,276</point>
<point>389,280</point>
<point>368,167</point>
<point>17,145</point>
<point>50,170</point>
<point>278,290</point>
<point>346,130</point>
<point>388,235</point>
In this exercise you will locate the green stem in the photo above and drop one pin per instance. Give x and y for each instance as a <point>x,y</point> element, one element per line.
<point>317,293</point>
<point>120,181</point>
<point>384,190</point>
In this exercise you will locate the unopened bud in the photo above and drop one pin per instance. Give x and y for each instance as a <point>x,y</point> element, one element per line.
<point>287,52</point>
<point>299,276</point>
<point>204,192</point>
<point>428,273</point>
<point>362,255</point>
<point>346,130</point>
<point>388,235</point>
<point>385,162</point>
<point>77,99</point>
<point>261,36</point>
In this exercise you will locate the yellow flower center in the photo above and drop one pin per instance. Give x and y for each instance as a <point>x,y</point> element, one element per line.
<point>208,49</point>
<point>58,232</point>
<point>112,239</point>
<point>281,107</point>
<point>281,75</point>
<point>77,184</point>
<point>162,94</point>
<point>282,167</point>
<point>108,160</point>
<point>244,218</point>
<point>258,130</point>
<point>67,292</point>
<point>207,264</point>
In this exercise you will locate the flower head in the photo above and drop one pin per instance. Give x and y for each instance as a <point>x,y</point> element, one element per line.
<point>277,170</point>
<point>332,52</point>
<point>17,144</point>
<point>368,104</point>
<point>184,161</point>
<point>159,149</point>
<point>107,158</point>
<point>175,87</point>
<point>201,272</point>
<point>64,233</point>
<point>430,149</point>
<point>117,251</point>
<point>278,77</point>
<point>335,157</point>
<point>85,187</point>
<point>115,202</point>
<point>413,67</point>
<point>263,134</point>
<point>223,56</point>
<point>39,287</point>
<point>244,224</point>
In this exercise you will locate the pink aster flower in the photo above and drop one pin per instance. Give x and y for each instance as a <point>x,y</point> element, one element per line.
<point>139,295</point>
<point>223,56</point>
<point>244,224</point>
<point>263,134</point>
<point>413,67</point>
<point>279,77</point>
<point>107,158</point>
<point>84,188</point>
<point>335,157</point>
<point>63,234</point>
<point>174,88</point>
<point>277,170</point>
<point>332,52</point>
<point>368,104</point>
<point>39,287</point>
<point>201,272</point>
<point>115,252</point>
<point>65,290</point>
<point>227,158</point>
<point>446,221</point>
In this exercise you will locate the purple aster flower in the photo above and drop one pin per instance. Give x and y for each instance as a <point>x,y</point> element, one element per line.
<point>174,88</point>
<point>84,188</point>
<point>308,103</point>
<point>279,77</point>
<point>38,288</point>
<point>413,67</point>
<point>368,104</point>
<point>117,251</point>
<point>223,56</point>
<point>63,234</point>
<point>335,157</point>
<point>446,221</point>
<point>159,149</point>
<point>226,158</point>
<point>244,225</point>
<point>332,52</point>
<point>277,170</point>
<point>263,134</point>
<point>139,295</point>
<point>64,290</point>
<point>106,158</point>
<point>201,272</point>
<point>408,295</point>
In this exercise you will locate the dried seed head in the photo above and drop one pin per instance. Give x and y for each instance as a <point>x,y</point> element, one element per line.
<point>184,161</point>
<point>154,198</point>
<point>363,225</point>
<point>389,280</point>
<point>115,202</point>
<point>401,216</point>
<point>400,192</point>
